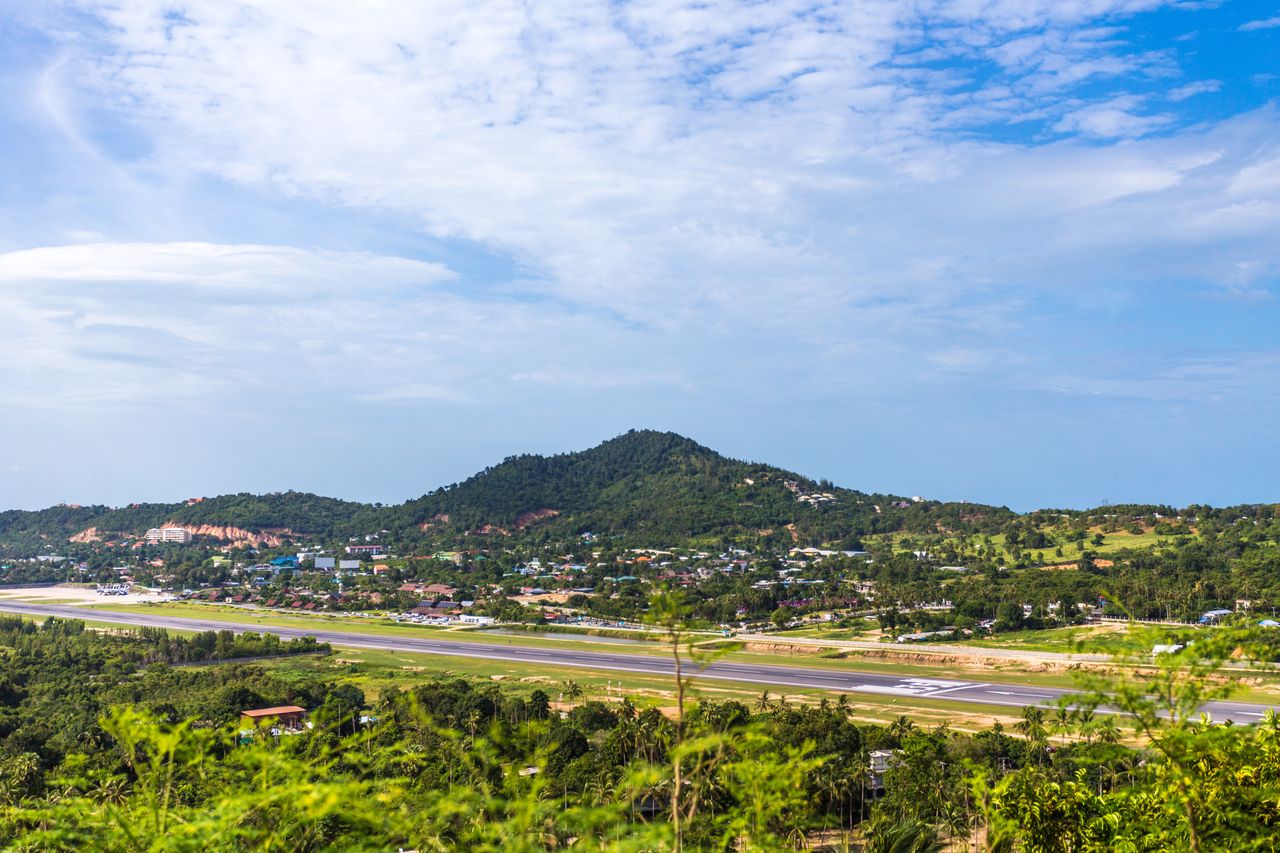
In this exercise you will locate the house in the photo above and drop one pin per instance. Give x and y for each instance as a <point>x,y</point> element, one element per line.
<point>879,763</point>
<point>179,535</point>
<point>289,717</point>
<point>438,608</point>
<point>1213,617</point>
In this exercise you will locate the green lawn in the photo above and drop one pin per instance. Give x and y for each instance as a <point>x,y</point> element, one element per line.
<point>374,671</point>
<point>1112,542</point>
<point>820,633</point>
<point>818,657</point>
<point>1094,639</point>
<point>1011,672</point>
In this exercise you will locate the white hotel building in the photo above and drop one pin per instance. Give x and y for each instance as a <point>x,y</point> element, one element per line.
<point>179,535</point>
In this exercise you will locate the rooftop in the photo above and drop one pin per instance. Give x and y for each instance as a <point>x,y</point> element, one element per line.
<point>274,712</point>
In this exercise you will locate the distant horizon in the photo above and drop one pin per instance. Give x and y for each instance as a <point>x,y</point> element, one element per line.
<point>811,476</point>
<point>1019,254</point>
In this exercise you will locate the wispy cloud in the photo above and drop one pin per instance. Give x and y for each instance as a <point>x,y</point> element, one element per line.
<point>1118,118</point>
<point>692,204</point>
<point>1260,24</point>
<point>1190,90</point>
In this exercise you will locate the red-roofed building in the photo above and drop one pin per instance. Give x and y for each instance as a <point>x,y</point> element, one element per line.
<point>285,716</point>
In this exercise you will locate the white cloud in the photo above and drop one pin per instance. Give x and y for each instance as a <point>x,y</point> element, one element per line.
<point>677,179</point>
<point>1115,119</point>
<point>416,391</point>
<point>672,162</point>
<point>210,326</point>
<point>1259,177</point>
<point>218,268</point>
<point>1199,87</point>
<point>135,322</point>
<point>1261,24</point>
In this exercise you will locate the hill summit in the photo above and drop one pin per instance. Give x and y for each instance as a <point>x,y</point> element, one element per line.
<point>643,487</point>
<point>648,486</point>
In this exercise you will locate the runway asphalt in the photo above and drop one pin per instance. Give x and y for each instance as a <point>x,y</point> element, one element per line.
<point>843,680</point>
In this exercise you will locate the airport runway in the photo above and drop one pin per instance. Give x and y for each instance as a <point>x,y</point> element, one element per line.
<point>842,680</point>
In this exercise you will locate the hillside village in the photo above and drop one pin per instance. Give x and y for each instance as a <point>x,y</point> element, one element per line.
<point>586,538</point>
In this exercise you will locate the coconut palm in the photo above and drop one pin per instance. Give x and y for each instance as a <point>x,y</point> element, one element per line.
<point>1063,721</point>
<point>901,728</point>
<point>902,836</point>
<point>1108,731</point>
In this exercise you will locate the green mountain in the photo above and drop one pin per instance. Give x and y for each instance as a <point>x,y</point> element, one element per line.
<point>663,488</point>
<point>293,515</point>
<point>644,487</point>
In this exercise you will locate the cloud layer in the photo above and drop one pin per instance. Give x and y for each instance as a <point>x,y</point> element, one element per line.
<point>899,204</point>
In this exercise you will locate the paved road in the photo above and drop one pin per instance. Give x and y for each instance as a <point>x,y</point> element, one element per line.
<point>848,681</point>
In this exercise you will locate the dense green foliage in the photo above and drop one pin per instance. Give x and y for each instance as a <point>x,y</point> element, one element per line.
<point>651,487</point>
<point>647,487</point>
<point>108,756</point>
<point>298,512</point>
<point>57,679</point>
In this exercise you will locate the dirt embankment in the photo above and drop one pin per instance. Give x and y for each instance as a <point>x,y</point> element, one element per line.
<point>238,536</point>
<point>271,537</point>
<point>524,519</point>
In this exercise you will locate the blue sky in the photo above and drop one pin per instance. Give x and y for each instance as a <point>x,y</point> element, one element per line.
<point>1015,251</point>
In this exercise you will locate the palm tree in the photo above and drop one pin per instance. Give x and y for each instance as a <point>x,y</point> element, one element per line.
<point>1087,723</point>
<point>901,728</point>
<point>1031,726</point>
<point>860,773</point>
<point>1108,731</point>
<point>1062,720</point>
<point>903,836</point>
<point>762,702</point>
<point>573,690</point>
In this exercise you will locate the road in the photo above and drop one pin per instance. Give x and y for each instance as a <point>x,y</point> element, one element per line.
<point>842,680</point>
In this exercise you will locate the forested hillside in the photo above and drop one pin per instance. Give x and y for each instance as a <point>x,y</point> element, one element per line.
<point>100,750</point>
<point>646,487</point>
<point>661,489</point>
<point>298,514</point>
<point>654,486</point>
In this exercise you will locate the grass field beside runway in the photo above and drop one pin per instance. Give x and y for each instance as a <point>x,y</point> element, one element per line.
<point>1265,689</point>
<point>375,670</point>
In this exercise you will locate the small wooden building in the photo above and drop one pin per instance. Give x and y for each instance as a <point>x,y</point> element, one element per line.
<point>285,716</point>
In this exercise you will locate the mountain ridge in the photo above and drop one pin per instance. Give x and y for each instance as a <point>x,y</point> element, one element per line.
<point>644,485</point>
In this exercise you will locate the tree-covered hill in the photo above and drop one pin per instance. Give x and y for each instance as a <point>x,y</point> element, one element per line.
<point>661,487</point>
<point>646,487</point>
<point>300,514</point>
